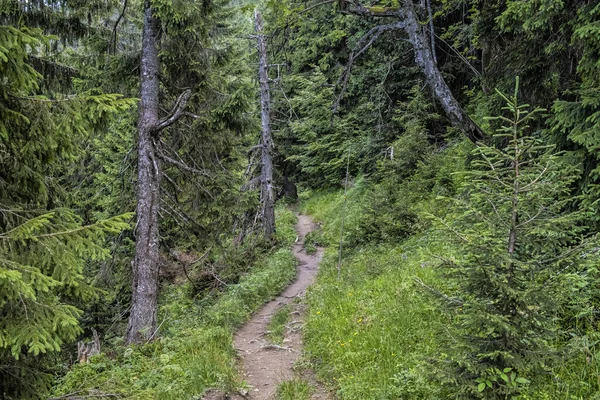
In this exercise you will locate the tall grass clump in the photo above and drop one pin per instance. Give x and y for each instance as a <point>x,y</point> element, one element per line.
<point>372,330</point>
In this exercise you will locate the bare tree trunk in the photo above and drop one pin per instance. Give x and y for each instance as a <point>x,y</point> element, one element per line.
<point>425,59</point>
<point>406,20</point>
<point>142,318</point>
<point>267,192</point>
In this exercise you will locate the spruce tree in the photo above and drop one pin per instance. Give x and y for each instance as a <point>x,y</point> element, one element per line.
<point>42,261</point>
<point>515,239</point>
<point>43,246</point>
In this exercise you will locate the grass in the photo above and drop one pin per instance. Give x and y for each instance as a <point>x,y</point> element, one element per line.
<point>370,331</point>
<point>312,240</point>
<point>295,389</point>
<point>194,351</point>
<point>277,326</point>
<point>377,333</point>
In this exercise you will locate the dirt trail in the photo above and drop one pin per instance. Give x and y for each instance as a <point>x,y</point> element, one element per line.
<point>263,365</point>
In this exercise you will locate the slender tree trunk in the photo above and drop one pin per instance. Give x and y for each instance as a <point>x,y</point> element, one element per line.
<point>425,59</point>
<point>142,319</point>
<point>406,20</point>
<point>267,192</point>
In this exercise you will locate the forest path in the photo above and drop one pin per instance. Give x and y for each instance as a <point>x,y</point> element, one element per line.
<point>264,365</point>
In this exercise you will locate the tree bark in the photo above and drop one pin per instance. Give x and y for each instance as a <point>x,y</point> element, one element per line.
<point>424,58</point>
<point>142,318</point>
<point>267,192</point>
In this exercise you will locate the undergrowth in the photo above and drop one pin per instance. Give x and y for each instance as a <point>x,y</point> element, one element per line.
<point>194,349</point>
<point>379,329</point>
<point>277,326</point>
<point>295,389</point>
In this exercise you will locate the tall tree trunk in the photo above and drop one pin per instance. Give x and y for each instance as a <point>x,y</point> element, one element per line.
<point>425,59</point>
<point>406,20</point>
<point>142,319</point>
<point>267,192</point>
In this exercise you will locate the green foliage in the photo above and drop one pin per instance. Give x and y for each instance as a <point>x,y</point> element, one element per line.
<point>369,332</point>
<point>285,221</point>
<point>236,305</point>
<point>42,262</point>
<point>314,141</point>
<point>39,135</point>
<point>517,241</point>
<point>320,147</point>
<point>295,389</point>
<point>194,351</point>
<point>174,367</point>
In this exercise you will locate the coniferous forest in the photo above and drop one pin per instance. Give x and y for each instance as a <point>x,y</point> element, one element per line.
<point>154,155</point>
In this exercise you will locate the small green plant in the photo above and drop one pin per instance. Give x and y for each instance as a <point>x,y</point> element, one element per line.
<point>313,240</point>
<point>518,238</point>
<point>494,376</point>
<point>278,323</point>
<point>295,389</point>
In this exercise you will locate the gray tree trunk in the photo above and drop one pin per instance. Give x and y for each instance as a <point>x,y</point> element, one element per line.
<point>425,59</point>
<point>406,20</point>
<point>267,192</point>
<point>142,318</point>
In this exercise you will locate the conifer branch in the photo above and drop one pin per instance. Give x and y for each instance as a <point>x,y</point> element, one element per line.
<point>45,219</point>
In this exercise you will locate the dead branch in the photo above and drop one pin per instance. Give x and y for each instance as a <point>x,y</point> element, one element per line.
<point>114,32</point>
<point>176,112</point>
<point>361,46</point>
<point>431,31</point>
<point>424,59</point>
<point>358,9</point>
<point>276,347</point>
<point>76,396</point>
<point>160,154</point>
<point>317,5</point>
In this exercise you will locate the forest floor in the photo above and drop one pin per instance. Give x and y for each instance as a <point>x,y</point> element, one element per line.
<point>265,365</point>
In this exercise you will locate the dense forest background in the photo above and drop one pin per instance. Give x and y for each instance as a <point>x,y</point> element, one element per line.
<point>448,147</point>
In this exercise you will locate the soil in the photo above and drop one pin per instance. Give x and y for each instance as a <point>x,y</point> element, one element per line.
<point>264,365</point>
